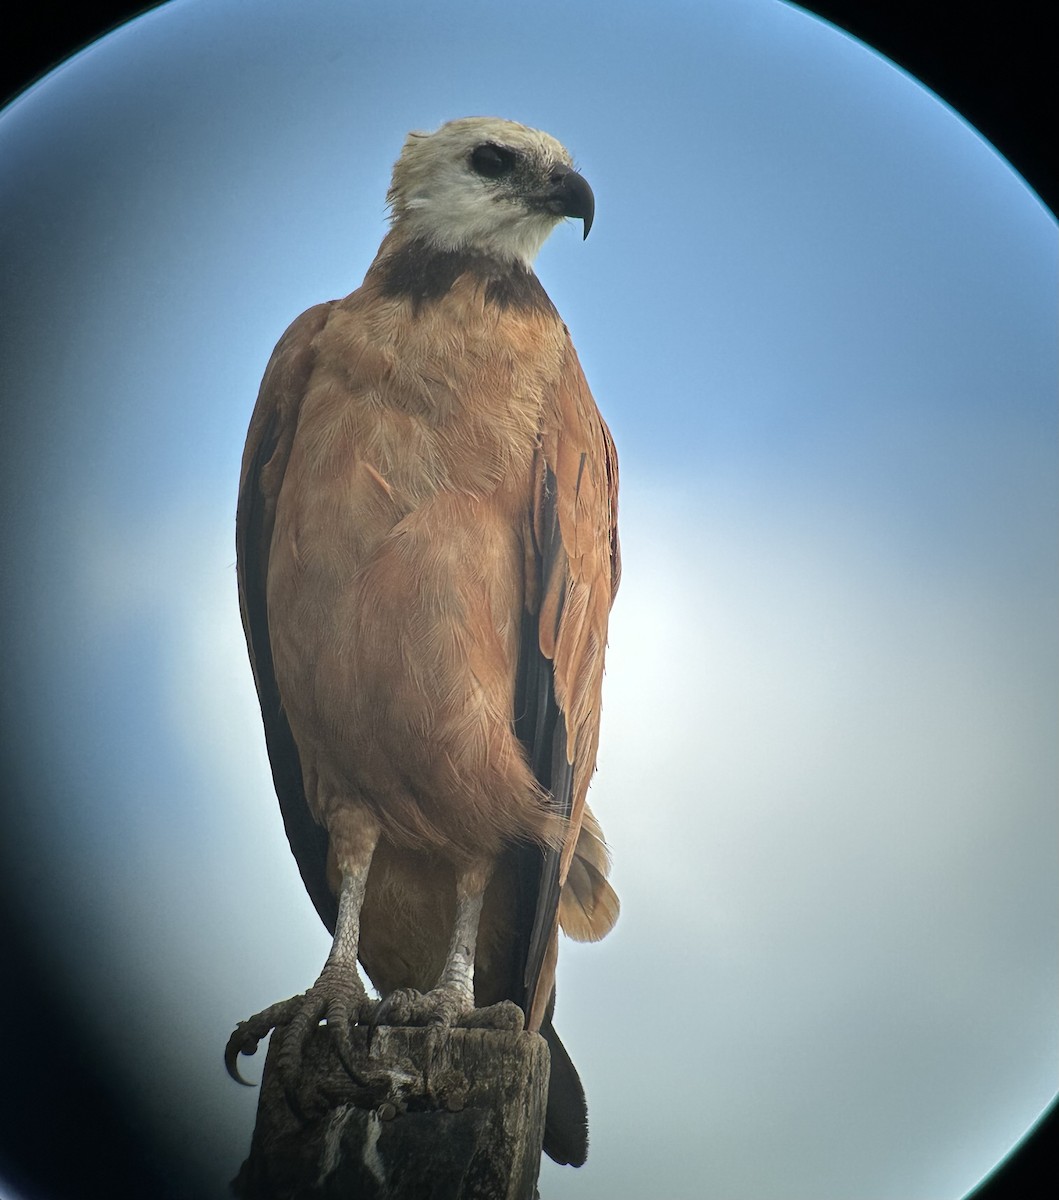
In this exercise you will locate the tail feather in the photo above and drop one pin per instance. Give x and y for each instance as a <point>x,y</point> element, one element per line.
<point>566,1120</point>
<point>588,905</point>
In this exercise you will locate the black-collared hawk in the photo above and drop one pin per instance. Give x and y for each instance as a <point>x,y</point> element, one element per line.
<point>427,556</point>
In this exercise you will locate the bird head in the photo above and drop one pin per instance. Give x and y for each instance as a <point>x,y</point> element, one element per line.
<point>487,186</point>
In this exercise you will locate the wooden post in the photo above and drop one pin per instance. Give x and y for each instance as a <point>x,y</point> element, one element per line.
<point>448,1114</point>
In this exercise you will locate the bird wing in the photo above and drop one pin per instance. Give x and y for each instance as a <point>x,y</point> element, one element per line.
<point>265,458</point>
<point>572,572</point>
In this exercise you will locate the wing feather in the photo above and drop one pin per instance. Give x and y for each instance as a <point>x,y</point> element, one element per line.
<point>588,905</point>
<point>574,576</point>
<point>265,460</point>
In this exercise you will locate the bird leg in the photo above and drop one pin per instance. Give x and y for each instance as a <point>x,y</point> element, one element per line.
<point>451,1001</point>
<point>337,996</point>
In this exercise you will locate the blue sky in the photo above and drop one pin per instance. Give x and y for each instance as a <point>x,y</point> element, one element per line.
<point>819,314</point>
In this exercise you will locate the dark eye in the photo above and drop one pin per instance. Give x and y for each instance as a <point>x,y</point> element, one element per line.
<point>492,161</point>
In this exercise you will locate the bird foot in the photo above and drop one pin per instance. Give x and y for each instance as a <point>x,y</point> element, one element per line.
<point>337,997</point>
<point>446,1006</point>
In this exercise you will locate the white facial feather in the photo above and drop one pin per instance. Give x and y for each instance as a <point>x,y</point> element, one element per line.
<point>437,195</point>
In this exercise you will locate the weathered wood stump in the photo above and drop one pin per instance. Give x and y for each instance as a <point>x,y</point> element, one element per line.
<point>445,1114</point>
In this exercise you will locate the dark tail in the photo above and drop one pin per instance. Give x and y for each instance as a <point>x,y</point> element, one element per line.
<point>566,1121</point>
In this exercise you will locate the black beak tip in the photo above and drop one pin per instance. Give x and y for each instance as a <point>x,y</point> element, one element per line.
<point>584,204</point>
<point>572,197</point>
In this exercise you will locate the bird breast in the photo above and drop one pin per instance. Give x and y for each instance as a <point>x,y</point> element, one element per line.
<point>396,574</point>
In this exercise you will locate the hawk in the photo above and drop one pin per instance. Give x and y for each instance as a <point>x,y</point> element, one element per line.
<point>427,557</point>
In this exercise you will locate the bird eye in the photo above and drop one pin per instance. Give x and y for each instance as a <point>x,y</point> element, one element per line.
<point>492,161</point>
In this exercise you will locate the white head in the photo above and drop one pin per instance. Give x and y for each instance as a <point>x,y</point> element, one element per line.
<point>487,186</point>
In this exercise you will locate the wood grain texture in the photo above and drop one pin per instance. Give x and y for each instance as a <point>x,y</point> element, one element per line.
<point>458,1114</point>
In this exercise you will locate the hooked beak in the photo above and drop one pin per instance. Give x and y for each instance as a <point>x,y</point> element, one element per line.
<point>570,196</point>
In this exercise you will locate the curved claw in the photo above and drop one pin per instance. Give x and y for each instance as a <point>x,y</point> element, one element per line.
<point>337,997</point>
<point>446,1006</point>
<point>394,1009</point>
<point>505,1016</point>
<point>247,1034</point>
<point>343,1044</point>
<point>236,1046</point>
